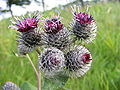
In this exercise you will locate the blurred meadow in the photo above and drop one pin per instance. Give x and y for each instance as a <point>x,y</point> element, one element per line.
<point>105,71</point>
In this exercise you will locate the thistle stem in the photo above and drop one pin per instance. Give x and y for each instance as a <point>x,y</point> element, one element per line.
<point>39,80</point>
<point>38,74</point>
<point>32,64</point>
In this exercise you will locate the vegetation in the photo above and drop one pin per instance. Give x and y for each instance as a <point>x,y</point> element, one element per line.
<point>105,71</point>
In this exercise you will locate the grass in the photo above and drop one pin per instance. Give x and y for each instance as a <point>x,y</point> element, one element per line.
<point>105,71</point>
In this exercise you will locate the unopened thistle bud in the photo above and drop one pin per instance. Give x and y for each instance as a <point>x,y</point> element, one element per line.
<point>84,26</point>
<point>57,35</point>
<point>78,61</point>
<point>10,86</point>
<point>51,61</point>
<point>29,37</point>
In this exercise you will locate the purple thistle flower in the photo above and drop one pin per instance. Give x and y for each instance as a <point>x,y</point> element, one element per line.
<point>56,34</point>
<point>84,26</point>
<point>78,61</point>
<point>10,86</point>
<point>26,24</point>
<point>51,61</point>
<point>29,37</point>
<point>53,26</point>
<point>83,18</point>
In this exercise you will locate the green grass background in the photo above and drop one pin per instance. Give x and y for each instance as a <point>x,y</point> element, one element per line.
<point>105,71</point>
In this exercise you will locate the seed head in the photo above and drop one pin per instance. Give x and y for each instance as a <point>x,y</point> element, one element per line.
<point>78,61</point>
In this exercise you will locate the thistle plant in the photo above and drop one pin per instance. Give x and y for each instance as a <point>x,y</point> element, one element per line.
<point>58,54</point>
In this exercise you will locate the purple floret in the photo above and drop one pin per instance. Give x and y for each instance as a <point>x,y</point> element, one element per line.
<point>53,26</point>
<point>83,18</point>
<point>27,24</point>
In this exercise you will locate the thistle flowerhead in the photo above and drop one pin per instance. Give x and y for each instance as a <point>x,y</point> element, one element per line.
<point>29,37</point>
<point>83,18</point>
<point>53,25</point>
<point>57,35</point>
<point>78,61</point>
<point>25,24</point>
<point>84,26</point>
<point>51,61</point>
<point>10,86</point>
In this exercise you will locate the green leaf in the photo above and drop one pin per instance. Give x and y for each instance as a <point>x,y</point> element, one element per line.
<point>27,86</point>
<point>56,83</point>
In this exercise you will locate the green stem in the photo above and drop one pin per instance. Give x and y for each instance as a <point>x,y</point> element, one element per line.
<point>38,74</point>
<point>39,80</point>
<point>32,64</point>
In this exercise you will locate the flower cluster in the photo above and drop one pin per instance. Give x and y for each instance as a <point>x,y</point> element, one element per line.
<point>61,55</point>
